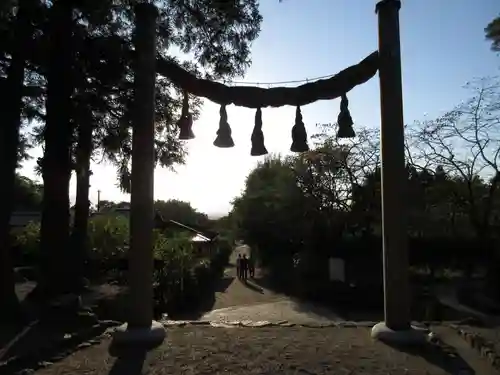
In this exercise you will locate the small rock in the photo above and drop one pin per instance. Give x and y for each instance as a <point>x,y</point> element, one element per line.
<point>220,325</point>
<point>168,323</point>
<point>433,337</point>
<point>261,323</point>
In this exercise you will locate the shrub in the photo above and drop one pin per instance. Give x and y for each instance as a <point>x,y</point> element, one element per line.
<point>108,237</point>
<point>176,256</point>
<point>220,255</point>
<point>26,242</point>
<point>183,279</point>
<point>181,276</point>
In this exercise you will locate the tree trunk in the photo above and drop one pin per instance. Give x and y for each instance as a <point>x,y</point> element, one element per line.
<point>9,143</point>
<point>80,224</point>
<point>54,241</point>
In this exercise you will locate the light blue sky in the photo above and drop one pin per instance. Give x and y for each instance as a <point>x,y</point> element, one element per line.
<point>443,47</point>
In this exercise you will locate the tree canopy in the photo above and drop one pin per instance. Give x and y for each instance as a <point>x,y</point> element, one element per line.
<point>67,69</point>
<point>305,208</point>
<point>492,31</point>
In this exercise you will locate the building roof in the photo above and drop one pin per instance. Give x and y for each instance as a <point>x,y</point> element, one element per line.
<point>198,236</point>
<point>23,218</point>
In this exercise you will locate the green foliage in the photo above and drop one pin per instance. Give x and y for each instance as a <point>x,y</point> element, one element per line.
<point>27,194</point>
<point>176,255</point>
<point>108,236</point>
<point>181,273</point>
<point>181,212</point>
<point>492,32</point>
<point>300,210</point>
<point>214,37</point>
<point>27,239</point>
<point>177,250</point>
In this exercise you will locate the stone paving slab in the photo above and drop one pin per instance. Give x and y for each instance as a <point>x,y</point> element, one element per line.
<point>485,340</point>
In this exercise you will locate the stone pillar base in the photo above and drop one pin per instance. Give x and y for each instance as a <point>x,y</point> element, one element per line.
<point>146,338</point>
<point>412,336</point>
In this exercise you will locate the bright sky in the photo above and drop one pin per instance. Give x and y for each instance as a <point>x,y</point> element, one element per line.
<point>443,47</point>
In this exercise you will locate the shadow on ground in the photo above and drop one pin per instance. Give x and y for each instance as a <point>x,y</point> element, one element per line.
<point>250,284</point>
<point>308,305</point>
<point>52,337</point>
<point>128,360</point>
<point>131,364</point>
<point>51,332</point>
<point>351,306</point>
<point>207,300</point>
<point>442,356</point>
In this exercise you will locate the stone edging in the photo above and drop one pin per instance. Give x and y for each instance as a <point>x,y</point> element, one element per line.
<point>260,324</point>
<point>484,347</point>
<point>282,323</point>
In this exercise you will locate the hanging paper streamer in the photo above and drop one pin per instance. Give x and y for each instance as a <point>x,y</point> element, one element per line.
<point>258,147</point>
<point>344,120</point>
<point>299,134</point>
<point>185,123</point>
<point>224,139</point>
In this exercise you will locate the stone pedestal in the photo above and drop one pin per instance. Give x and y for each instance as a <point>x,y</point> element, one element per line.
<point>140,338</point>
<point>412,336</point>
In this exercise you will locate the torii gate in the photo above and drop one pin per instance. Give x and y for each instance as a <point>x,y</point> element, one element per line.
<point>387,60</point>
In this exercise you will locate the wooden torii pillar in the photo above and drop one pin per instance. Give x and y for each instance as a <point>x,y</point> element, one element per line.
<point>396,327</point>
<point>141,330</point>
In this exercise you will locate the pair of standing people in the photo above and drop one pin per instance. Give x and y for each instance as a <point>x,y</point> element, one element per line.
<point>244,266</point>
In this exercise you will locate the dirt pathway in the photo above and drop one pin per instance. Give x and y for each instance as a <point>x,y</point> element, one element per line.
<point>236,300</point>
<point>234,292</point>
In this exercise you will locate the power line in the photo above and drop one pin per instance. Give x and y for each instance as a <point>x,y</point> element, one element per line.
<point>306,80</point>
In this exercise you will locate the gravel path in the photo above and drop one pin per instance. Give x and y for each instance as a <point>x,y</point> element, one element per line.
<point>205,350</point>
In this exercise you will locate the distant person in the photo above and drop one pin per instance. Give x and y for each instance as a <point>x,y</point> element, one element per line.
<point>244,267</point>
<point>238,266</point>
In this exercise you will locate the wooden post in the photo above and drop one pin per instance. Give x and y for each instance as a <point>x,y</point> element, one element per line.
<point>142,189</point>
<point>394,176</point>
<point>140,328</point>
